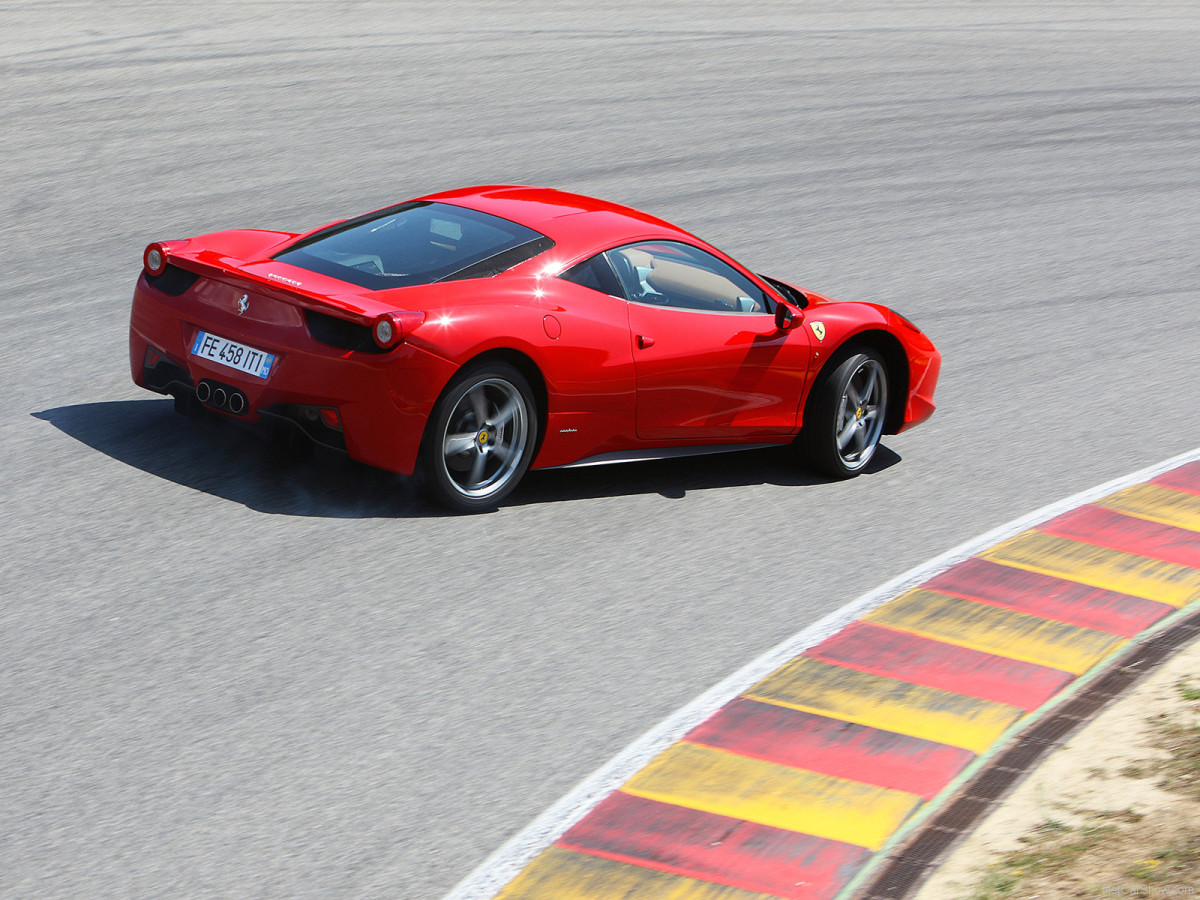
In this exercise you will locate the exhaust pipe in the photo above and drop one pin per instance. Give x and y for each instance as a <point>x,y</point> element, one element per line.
<point>213,393</point>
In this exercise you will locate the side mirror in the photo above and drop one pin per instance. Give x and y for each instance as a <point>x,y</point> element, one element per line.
<point>784,317</point>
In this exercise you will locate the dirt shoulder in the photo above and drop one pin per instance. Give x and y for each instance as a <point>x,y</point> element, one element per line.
<point>1114,812</point>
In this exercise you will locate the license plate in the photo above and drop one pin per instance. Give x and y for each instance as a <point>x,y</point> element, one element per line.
<point>232,354</point>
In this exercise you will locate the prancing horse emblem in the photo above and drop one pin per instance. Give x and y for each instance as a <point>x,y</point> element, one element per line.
<point>243,304</point>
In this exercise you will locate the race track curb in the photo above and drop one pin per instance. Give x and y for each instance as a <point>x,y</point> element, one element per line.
<point>919,850</point>
<point>801,774</point>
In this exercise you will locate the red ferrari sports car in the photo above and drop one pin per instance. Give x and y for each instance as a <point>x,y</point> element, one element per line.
<point>473,334</point>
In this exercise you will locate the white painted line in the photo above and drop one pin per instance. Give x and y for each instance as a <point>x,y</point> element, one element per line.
<point>502,866</point>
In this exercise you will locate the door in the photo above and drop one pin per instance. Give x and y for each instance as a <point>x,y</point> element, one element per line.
<point>710,364</point>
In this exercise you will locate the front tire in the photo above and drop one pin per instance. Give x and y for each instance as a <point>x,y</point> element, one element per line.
<point>480,439</point>
<point>844,419</point>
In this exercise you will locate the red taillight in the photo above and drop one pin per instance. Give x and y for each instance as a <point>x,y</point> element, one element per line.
<point>331,418</point>
<point>386,332</point>
<point>390,328</point>
<point>155,259</point>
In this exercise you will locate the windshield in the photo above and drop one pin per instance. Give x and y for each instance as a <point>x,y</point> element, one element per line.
<point>416,243</point>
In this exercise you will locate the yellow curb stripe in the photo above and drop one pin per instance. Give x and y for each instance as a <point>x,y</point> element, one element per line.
<point>1100,567</point>
<point>1158,504</point>
<point>1003,632</point>
<point>742,787</point>
<point>887,703</point>
<point>562,874</point>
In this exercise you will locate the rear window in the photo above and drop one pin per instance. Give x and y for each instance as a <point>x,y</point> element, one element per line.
<point>416,243</point>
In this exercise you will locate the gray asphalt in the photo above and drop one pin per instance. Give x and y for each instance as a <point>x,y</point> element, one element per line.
<point>221,676</point>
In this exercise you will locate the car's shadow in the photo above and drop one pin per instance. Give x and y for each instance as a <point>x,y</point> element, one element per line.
<point>674,478</point>
<point>218,458</point>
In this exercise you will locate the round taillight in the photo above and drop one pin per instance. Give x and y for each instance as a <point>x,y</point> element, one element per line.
<point>155,259</point>
<point>391,328</point>
<point>385,332</point>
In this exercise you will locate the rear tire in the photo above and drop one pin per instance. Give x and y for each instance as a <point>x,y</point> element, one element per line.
<point>480,439</point>
<point>844,418</point>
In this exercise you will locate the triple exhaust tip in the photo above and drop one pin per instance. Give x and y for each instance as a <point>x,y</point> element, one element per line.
<point>222,397</point>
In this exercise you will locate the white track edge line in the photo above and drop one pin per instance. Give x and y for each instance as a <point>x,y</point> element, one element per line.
<point>507,861</point>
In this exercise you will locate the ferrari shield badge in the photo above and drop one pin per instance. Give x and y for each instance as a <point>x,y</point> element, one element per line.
<point>818,329</point>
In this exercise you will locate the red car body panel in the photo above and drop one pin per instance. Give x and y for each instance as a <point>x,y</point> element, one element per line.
<point>613,375</point>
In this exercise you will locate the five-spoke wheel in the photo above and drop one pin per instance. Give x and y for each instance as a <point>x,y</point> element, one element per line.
<point>481,437</point>
<point>845,417</point>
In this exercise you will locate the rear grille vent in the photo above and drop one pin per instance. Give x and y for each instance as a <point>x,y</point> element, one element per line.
<point>340,333</point>
<point>174,281</point>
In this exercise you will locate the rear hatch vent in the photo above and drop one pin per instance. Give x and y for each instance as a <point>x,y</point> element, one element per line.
<point>174,281</point>
<point>340,333</point>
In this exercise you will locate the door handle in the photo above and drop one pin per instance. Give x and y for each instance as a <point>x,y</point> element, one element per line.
<point>643,342</point>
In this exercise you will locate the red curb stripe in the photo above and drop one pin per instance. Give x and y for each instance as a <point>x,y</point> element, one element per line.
<point>832,747</point>
<point>1185,478</point>
<point>1129,534</point>
<point>1049,597</point>
<point>921,660</point>
<point>715,848</point>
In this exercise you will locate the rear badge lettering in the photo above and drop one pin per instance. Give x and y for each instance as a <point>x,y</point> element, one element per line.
<point>290,281</point>
<point>818,329</point>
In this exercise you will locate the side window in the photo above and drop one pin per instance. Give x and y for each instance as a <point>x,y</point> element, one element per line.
<point>594,273</point>
<point>666,273</point>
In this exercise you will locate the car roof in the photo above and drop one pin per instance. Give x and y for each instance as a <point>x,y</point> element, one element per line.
<point>574,222</point>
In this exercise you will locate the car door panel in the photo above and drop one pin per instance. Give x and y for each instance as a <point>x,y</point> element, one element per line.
<point>709,360</point>
<point>713,376</point>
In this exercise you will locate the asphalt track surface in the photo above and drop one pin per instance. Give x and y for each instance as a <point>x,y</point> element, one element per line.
<point>223,677</point>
